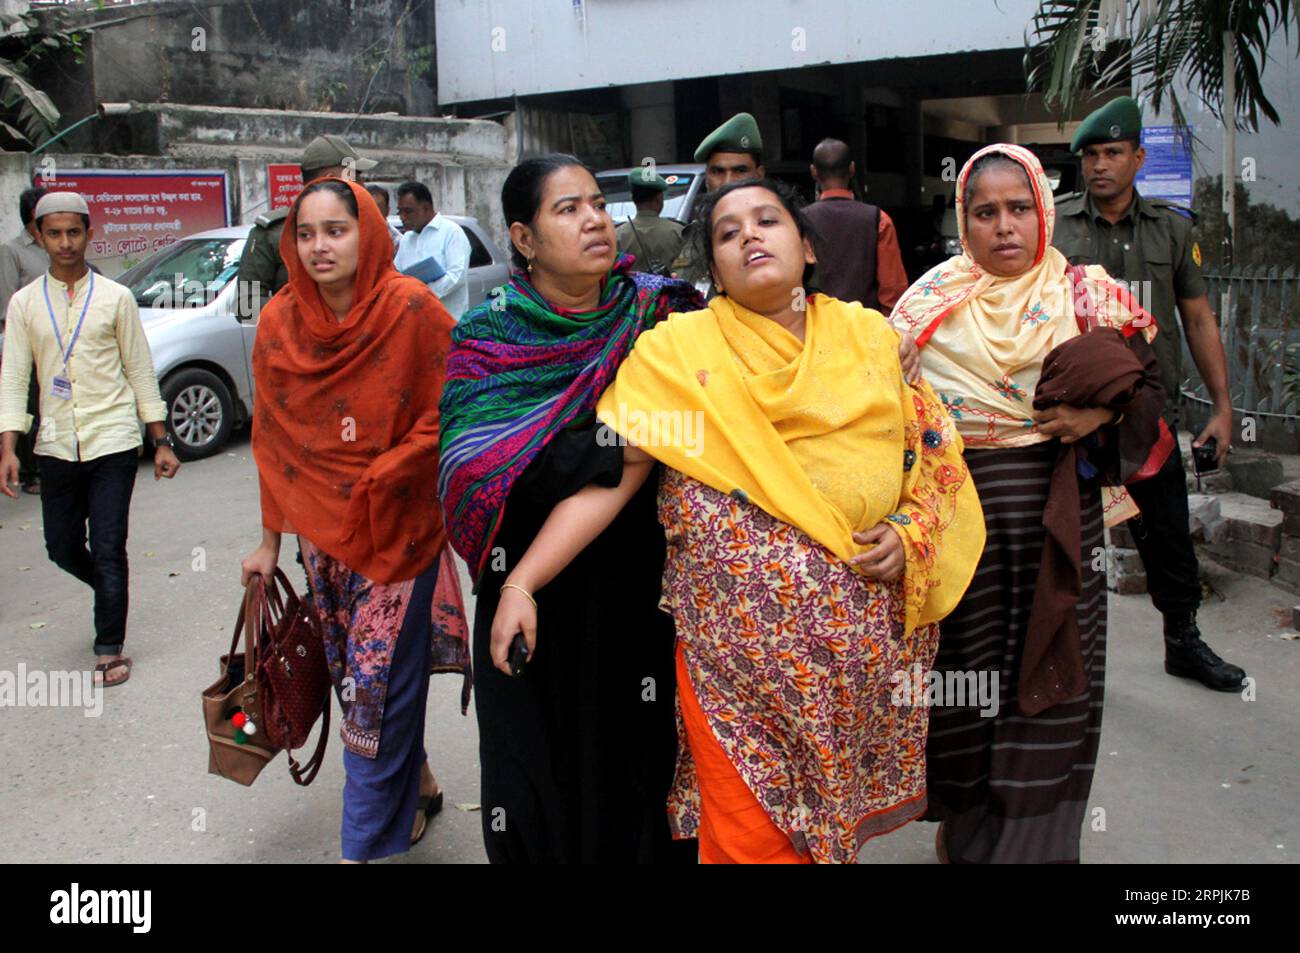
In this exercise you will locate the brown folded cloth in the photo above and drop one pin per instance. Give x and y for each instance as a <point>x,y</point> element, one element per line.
<point>1099,369</point>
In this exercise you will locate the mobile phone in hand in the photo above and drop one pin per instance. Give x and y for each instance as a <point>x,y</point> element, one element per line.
<point>1205,458</point>
<point>518,655</point>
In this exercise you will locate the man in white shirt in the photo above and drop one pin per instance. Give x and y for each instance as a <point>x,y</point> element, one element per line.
<point>431,235</point>
<point>380,195</point>
<point>81,332</point>
<point>23,259</point>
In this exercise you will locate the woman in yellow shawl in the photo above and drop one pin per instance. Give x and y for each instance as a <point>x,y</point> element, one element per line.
<point>820,521</point>
<point>1010,779</point>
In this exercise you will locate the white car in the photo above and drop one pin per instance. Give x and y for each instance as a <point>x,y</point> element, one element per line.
<point>203,351</point>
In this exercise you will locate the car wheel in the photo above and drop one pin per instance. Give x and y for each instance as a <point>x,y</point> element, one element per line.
<point>200,413</point>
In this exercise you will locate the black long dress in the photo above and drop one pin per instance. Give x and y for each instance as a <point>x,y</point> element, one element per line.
<point>578,753</point>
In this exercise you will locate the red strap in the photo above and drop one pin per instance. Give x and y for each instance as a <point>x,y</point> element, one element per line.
<point>1165,445</point>
<point>1079,290</point>
<point>934,325</point>
<point>1141,317</point>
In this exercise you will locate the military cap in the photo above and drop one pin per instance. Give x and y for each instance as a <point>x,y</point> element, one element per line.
<point>325,151</point>
<point>737,134</point>
<point>646,178</point>
<point>269,218</point>
<point>1118,119</point>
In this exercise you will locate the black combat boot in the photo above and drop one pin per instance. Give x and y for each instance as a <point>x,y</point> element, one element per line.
<point>1187,656</point>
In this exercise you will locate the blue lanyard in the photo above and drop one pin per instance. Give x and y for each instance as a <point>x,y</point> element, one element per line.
<point>67,355</point>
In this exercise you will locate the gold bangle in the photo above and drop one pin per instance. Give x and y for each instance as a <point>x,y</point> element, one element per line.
<point>527,595</point>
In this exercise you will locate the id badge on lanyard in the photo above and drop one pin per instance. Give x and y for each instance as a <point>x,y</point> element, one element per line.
<point>61,387</point>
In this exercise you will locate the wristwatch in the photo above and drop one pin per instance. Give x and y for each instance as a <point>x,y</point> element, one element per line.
<point>164,439</point>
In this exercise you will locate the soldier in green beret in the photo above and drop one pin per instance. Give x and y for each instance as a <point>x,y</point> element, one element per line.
<point>260,262</point>
<point>1148,244</point>
<point>730,153</point>
<point>655,241</point>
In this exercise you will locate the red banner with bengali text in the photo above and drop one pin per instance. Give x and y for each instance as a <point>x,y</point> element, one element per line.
<point>134,214</point>
<point>285,182</point>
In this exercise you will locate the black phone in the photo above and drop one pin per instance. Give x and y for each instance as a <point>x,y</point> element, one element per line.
<point>518,655</point>
<point>1205,458</point>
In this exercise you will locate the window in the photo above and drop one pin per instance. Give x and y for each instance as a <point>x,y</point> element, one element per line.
<point>478,253</point>
<point>618,195</point>
<point>188,274</point>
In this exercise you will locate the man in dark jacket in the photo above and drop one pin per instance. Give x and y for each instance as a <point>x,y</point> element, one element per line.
<point>858,257</point>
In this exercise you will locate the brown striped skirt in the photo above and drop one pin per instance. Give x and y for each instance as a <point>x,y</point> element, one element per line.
<point>1011,788</point>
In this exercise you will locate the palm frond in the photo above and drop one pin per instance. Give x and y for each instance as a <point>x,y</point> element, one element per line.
<point>1165,40</point>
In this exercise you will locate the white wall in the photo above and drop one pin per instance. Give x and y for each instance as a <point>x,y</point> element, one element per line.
<point>496,48</point>
<point>15,176</point>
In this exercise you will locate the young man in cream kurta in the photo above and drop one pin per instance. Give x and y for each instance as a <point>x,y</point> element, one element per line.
<point>96,378</point>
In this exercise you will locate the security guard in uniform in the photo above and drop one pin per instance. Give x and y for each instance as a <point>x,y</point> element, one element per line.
<point>655,241</point>
<point>730,153</point>
<point>1147,243</point>
<point>324,155</point>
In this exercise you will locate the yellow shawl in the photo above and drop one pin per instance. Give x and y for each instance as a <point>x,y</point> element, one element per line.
<point>823,434</point>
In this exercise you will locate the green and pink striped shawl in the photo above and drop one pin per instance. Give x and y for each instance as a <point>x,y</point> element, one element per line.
<point>520,371</point>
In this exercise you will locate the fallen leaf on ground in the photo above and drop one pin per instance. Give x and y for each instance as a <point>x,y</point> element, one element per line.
<point>469,807</point>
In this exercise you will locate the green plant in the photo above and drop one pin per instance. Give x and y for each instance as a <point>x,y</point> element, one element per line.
<point>419,62</point>
<point>28,116</point>
<point>1078,45</point>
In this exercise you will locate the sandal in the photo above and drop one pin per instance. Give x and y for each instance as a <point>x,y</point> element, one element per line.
<point>102,670</point>
<point>428,806</point>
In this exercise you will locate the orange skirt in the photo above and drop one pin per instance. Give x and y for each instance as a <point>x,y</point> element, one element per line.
<point>734,828</point>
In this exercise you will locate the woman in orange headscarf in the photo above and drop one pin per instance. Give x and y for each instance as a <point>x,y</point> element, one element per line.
<point>349,370</point>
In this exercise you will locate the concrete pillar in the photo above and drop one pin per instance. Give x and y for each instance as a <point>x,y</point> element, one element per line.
<point>652,121</point>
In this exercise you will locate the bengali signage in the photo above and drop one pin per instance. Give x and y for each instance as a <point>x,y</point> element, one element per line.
<point>134,214</point>
<point>284,179</point>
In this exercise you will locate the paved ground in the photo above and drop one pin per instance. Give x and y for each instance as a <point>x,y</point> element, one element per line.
<point>1185,774</point>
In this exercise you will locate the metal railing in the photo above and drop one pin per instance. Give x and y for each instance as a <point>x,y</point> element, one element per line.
<point>1259,323</point>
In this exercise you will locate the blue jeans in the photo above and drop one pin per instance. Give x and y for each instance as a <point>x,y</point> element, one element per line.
<point>95,493</point>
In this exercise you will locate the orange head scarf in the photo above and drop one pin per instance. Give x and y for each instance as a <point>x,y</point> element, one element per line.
<point>345,431</point>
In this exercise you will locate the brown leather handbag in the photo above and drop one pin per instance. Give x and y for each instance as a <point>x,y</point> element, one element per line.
<point>279,685</point>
